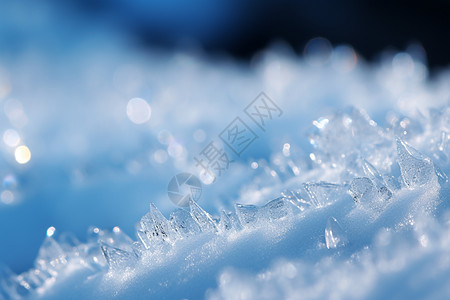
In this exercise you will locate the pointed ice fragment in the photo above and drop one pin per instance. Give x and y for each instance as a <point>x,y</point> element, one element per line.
<point>417,170</point>
<point>118,239</point>
<point>202,218</point>
<point>225,222</point>
<point>138,248</point>
<point>91,252</point>
<point>392,183</point>
<point>183,223</point>
<point>229,221</point>
<point>362,189</point>
<point>68,242</point>
<point>442,177</point>
<point>51,256</point>
<point>140,232</point>
<point>93,257</point>
<point>156,227</point>
<point>162,226</point>
<point>372,173</point>
<point>247,214</point>
<point>323,193</point>
<point>334,234</point>
<point>276,209</point>
<point>118,259</point>
<point>295,197</point>
<point>384,193</point>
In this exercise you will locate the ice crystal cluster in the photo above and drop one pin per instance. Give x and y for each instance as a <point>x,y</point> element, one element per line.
<point>371,184</point>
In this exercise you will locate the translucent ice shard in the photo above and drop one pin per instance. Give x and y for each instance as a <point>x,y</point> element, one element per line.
<point>225,222</point>
<point>323,193</point>
<point>229,221</point>
<point>247,214</point>
<point>118,259</point>
<point>183,223</point>
<point>202,218</point>
<point>94,255</point>
<point>138,248</point>
<point>140,232</point>
<point>334,234</point>
<point>343,133</point>
<point>162,227</point>
<point>362,189</point>
<point>90,253</point>
<point>442,177</point>
<point>68,242</point>
<point>302,202</point>
<point>51,256</point>
<point>417,170</point>
<point>392,183</point>
<point>380,184</point>
<point>276,209</point>
<point>119,239</point>
<point>156,227</point>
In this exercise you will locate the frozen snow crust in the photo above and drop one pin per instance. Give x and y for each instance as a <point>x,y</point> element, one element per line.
<point>363,215</point>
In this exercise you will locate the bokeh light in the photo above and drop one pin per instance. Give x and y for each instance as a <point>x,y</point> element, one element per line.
<point>7,197</point>
<point>22,154</point>
<point>51,231</point>
<point>318,51</point>
<point>11,138</point>
<point>138,111</point>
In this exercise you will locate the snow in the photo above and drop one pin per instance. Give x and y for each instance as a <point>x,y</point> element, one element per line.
<point>372,233</point>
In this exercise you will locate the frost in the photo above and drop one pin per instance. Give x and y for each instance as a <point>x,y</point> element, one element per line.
<point>260,245</point>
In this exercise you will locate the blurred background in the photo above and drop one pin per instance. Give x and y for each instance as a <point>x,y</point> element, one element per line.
<point>239,28</point>
<point>76,151</point>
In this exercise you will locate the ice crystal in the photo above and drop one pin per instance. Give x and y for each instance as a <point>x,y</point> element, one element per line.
<point>334,234</point>
<point>417,169</point>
